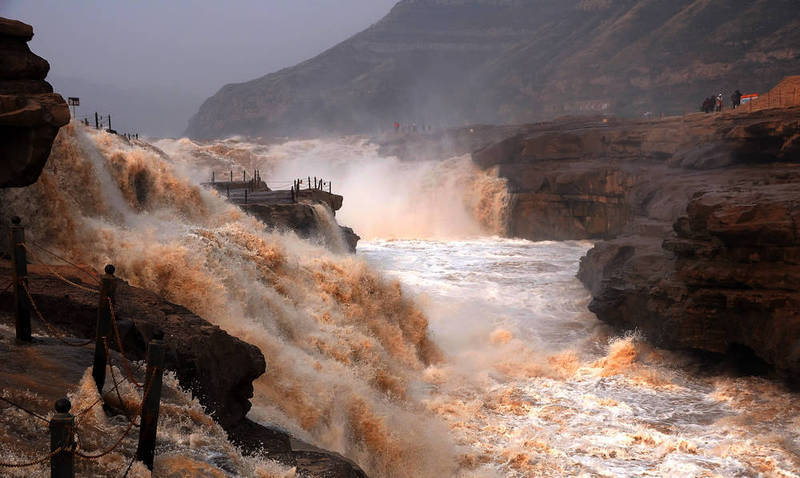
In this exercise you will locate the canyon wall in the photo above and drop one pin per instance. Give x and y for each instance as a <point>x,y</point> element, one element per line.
<point>696,219</point>
<point>30,113</point>
<point>450,63</point>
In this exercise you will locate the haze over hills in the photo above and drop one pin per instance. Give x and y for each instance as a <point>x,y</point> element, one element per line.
<point>450,62</point>
<point>159,111</point>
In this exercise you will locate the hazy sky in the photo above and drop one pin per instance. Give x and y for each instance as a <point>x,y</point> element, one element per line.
<point>179,49</point>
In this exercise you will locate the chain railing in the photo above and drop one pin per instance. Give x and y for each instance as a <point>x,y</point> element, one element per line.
<point>55,273</point>
<point>60,336</point>
<point>63,424</point>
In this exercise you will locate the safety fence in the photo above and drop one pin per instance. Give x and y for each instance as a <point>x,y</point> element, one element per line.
<point>256,189</point>
<point>64,427</point>
<point>253,182</point>
<point>779,97</point>
<point>317,185</point>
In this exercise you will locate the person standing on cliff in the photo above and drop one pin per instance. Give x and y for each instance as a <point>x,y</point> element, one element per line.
<point>708,105</point>
<point>396,127</point>
<point>719,102</point>
<point>736,99</point>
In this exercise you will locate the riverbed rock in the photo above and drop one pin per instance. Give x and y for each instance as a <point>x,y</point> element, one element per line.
<point>30,113</point>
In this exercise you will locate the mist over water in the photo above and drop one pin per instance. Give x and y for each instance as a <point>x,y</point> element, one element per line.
<point>384,197</point>
<point>439,349</point>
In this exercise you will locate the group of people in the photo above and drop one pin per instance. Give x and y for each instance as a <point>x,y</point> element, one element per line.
<point>411,128</point>
<point>716,103</point>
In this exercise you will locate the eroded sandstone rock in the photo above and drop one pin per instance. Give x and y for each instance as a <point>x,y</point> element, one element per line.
<point>30,113</point>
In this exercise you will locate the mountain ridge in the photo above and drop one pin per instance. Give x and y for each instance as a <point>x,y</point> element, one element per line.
<point>452,62</point>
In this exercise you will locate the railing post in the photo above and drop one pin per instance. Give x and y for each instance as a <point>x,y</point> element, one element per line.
<point>228,190</point>
<point>212,177</point>
<point>62,435</point>
<point>245,196</point>
<point>22,308</point>
<point>309,182</point>
<point>244,175</point>
<point>329,187</point>
<point>108,286</point>
<point>145,451</point>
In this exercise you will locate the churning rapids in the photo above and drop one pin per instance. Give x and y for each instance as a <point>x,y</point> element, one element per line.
<point>439,349</point>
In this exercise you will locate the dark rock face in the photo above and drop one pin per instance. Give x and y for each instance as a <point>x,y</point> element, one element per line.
<point>726,279</point>
<point>30,113</point>
<point>350,237</point>
<point>700,215</point>
<point>446,62</point>
<point>304,220</point>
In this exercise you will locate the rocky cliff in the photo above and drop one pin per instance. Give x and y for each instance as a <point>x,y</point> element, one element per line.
<point>699,214</point>
<point>30,113</point>
<point>446,62</point>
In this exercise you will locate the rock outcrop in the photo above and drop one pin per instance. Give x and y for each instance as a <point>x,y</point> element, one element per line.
<point>725,281</point>
<point>307,222</point>
<point>590,178</point>
<point>309,213</point>
<point>449,63</point>
<point>700,219</point>
<point>30,113</point>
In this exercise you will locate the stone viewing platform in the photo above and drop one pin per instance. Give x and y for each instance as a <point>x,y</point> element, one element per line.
<point>291,209</point>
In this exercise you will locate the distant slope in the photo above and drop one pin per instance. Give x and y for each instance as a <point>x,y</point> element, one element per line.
<point>449,62</point>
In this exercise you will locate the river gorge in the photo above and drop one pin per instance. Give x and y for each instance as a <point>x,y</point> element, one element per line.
<point>439,348</point>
